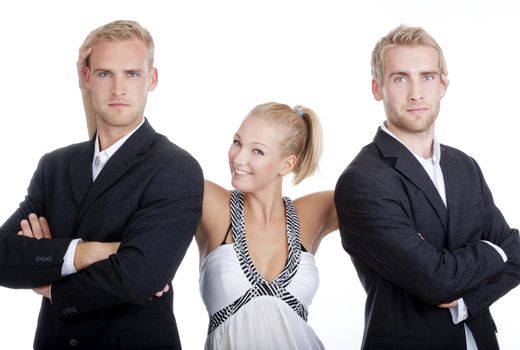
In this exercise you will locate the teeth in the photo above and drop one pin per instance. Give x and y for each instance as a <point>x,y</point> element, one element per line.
<point>241,172</point>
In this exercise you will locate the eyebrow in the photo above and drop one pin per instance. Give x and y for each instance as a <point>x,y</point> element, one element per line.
<point>254,142</point>
<point>259,143</point>
<point>407,74</point>
<point>138,70</point>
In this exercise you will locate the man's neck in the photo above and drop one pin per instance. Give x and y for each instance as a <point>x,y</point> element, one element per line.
<point>420,143</point>
<point>108,134</point>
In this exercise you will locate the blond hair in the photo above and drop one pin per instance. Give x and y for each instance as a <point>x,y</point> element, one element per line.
<point>124,30</point>
<point>302,137</point>
<point>404,36</point>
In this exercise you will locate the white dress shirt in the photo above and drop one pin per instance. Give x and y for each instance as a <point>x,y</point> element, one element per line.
<point>433,168</point>
<point>98,162</point>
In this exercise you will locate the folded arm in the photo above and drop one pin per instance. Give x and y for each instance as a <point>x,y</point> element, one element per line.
<point>27,262</point>
<point>153,245</point>
<point>86,253</point>
<point>378,228</point>
<point>497,232</point>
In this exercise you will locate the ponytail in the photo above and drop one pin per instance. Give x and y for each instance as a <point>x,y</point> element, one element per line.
<point>310,154</point>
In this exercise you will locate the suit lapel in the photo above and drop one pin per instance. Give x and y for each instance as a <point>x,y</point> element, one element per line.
<point>125,157</point>
<point>452,183</point>
<point>409,166</point>
<point>80,172</point>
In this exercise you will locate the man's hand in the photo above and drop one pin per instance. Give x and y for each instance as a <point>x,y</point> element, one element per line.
<point>44,291</point>
<point>449,305</point>
<point>35,227</point>
<point>88,253</point>
<point>164,291</point>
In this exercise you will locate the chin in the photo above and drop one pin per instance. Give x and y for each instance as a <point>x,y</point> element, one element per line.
<point>240,185</point>
<point>237,185</point>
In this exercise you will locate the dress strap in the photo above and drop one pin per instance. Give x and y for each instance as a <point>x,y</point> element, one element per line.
<point>227,233</point>
<point>240,243</point>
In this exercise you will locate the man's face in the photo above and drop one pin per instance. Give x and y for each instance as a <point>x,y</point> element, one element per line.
<point>119,79</point>
<point>411,89</point>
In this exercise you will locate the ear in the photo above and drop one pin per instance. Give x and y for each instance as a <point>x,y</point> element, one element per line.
<point>85,73</point>
<point>444,82</point>
<point>288,164</point>
<point>376,90</point>
<point>154,79</point>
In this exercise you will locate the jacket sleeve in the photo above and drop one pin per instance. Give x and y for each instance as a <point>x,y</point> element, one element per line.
<point>499,233</point>
<point>154,242</point>
<point>27,262</point>
<point>376,228</point>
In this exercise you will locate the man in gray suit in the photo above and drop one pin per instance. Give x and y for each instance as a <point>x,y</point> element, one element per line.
<point>432,250</point>
<point>128,184</point>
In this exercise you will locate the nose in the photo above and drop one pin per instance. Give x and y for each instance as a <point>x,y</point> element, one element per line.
<point>415,93</point>
<point>237,155</point>
<point>118,86</point>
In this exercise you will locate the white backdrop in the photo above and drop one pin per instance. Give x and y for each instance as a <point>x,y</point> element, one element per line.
<point>218,59</point>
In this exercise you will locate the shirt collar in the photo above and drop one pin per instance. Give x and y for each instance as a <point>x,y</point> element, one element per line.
<point>107,153</point>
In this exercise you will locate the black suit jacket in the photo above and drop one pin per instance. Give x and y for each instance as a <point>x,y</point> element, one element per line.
<point>412,253</point>
<point>149,197</point>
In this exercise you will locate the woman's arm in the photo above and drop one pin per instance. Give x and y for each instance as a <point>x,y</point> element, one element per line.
<point>318,218</point>
<point>81,66</point>
<point>215,219</point>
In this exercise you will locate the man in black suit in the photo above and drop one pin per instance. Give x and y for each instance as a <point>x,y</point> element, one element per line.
<point>431,249</point>
<point>129,184</point>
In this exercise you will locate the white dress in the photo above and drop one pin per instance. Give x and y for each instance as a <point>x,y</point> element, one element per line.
<point>248,312</point>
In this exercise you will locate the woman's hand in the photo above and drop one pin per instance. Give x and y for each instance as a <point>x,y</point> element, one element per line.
<point>84,51</point>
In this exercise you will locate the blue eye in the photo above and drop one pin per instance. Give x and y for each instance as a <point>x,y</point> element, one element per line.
<point>258,152</point>
<point>429,77</point>
<point>103,74</point>
<point>400,79</point>
<point>133,74</point>
<point>236,142</point>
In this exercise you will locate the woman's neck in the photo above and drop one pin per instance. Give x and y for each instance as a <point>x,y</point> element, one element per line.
<point>264,206</point>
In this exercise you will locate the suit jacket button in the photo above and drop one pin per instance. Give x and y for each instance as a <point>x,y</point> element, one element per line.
<point>38,258</point>
<point>48,259</point>
<point>73,342</point>
<point>73,309</point>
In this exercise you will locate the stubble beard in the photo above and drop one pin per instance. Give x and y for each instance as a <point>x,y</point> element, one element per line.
<point>413,125</point>
<point>118,119</point>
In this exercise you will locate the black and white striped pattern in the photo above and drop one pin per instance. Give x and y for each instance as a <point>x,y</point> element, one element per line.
<point>261,287</point>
